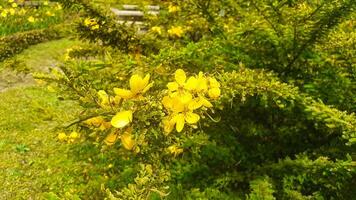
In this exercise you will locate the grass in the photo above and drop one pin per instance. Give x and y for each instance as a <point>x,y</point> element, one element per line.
<point>33,163</point>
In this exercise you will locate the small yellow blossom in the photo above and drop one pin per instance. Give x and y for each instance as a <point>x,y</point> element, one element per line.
<point>122,119</point>
<point>14,5</point>
<point>50,14</point>
<point>10,1</point>
<point>45,3</point>
<point>176,31</point>
<point>62,137</point>
<point>173,9</point>
<point>31,19</point>
<point>103,98</point>
<point>127,141</point>
<point>173,149</point>
<point>12,11</point>
<point>138,86</point>
<point>111,138</point>
<point>74,135</point>
<point>95,27</point>
<point>4,13</point>
<point>156,29</point>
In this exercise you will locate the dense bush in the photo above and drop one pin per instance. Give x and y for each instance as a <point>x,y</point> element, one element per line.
<point>219,100</point>
<point>16,43</point>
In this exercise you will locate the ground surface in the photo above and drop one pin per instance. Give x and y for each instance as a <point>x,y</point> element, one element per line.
<point>33,164</point>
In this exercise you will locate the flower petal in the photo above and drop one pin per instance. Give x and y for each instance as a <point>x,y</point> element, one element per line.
<point>127,141</point>
<point>180,76</point>
<point>147,87</point>
<point>125,94</point>
<point>214,93</point>
<point>195,104</point>
<point>172,86</point>
<point>122,119</point>
<point>192,118</point>
<point>179,119</point>
<point>111,138</point>
<point>191,84</point>
<point>137,84</point>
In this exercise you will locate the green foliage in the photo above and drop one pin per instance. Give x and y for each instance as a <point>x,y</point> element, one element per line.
<point>16,43</point>
<point>277,131</point>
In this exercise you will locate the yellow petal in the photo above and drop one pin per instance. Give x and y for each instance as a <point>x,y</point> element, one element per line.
<point>205,102</point>
<point>167,102</point>
<point>104,97</point>
<point>180,76</point>
<point>179,119</point>
<point>214,93</point>
<point>137,84</point>
<point>177,105</point>
<point>147,87</point>
<point>191,84</point>
<point>122,119</point>
<point>168,125</point>
<point>125,94</point>
<point>74,135</point>
<point>195,104</point>
<point>62,137</point>
<point>185,97</point>
<point>127,141</point>
<point>192,118</point>
<point>172,86</point>
<point>111,138</point>
<point>213,83</point>
<point>202,85</point>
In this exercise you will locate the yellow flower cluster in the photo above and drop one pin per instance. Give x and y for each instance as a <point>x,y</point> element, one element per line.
<point>186,96</point>
<point>122,119</point>
<point>173,9</point>
<point>91,23</point>
<point>176,31</point>
<point>63,137</point>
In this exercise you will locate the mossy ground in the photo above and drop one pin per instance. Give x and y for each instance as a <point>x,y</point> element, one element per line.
<point>33,163</point>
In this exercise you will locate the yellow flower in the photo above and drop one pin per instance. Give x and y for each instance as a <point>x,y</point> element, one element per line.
<point>95,27</point>
<point>50,14</point>
<point>214,93</point>
<point>4,13</point>
<point>14,5</point>
<point>122,119</point>
<point>111,138</point>
<point>214,88</point>
<point>173,149</point>
<point>138,86</point>
<point>31,19</point>
<point>45,3</point>
<point>156,29</point>
<point>127,141</point>
<point>62,137</point>
<point>181,113</point>
<point>103,98</point>
<point>12,11</point>
<point>10,1</point>
<point>173,9</point>
<point>74,135</point>
<point>176,31</point>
